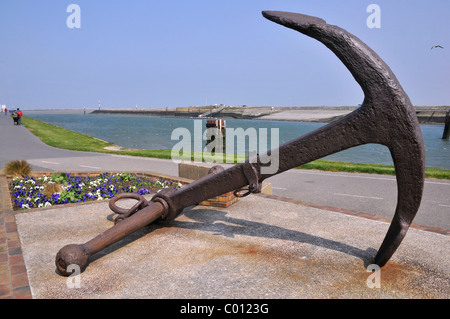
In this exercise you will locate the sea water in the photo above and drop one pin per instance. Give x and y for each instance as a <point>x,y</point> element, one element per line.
<point>146,132</point>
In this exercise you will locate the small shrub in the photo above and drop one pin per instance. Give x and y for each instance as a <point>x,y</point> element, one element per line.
<point>17,168</point>
<point>53,188</point>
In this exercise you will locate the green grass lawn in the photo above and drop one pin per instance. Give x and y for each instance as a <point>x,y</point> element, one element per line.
<point>62,138</point>
<point>369,168</point>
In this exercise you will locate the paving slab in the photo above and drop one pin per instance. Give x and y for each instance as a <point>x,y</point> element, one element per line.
<point>256,248</point>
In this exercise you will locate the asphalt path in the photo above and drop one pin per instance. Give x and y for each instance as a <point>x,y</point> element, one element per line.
<point>368,193</point>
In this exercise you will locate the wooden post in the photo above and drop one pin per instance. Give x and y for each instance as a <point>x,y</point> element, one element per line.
<point>219,132</point>
<point>446,134</point>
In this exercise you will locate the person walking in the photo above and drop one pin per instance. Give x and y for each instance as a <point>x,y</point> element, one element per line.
<point>6,111</point>
<point>19,113</point>
<point>15,117</point>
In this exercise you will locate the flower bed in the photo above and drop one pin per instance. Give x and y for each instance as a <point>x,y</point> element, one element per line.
<point>62,188</point>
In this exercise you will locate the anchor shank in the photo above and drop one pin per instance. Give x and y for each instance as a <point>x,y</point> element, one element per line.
<point>214,185</point>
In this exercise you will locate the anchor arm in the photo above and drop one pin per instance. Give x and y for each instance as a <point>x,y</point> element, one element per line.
<point>386,117</point>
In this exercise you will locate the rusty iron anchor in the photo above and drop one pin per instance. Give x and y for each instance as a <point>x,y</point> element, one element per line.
<point>386,117</point>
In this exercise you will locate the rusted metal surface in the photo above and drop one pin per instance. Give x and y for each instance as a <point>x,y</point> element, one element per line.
<point>127,212</point>
<point>386,117</point>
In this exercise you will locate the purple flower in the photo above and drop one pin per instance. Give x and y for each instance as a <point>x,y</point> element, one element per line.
<point>143,191</point>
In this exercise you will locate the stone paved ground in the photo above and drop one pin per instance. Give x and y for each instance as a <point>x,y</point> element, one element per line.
<point>14,274</point>
<point>258,248</point>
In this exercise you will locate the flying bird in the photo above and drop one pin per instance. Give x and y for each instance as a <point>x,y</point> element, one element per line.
<point>437,46</point>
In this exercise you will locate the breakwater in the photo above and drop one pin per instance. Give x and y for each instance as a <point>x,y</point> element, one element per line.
<point>193,112</point>
<point>425,114</point>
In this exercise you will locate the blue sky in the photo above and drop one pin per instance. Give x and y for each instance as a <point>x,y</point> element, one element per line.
<point>175,53</point>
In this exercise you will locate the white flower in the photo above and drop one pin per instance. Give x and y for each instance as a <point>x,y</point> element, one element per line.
<point>25,206</point>
<point>94,183</point>
<point>40,205</point>
<point>48,204</point>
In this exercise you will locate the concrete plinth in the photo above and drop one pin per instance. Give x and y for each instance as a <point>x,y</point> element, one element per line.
<point>256,248</point>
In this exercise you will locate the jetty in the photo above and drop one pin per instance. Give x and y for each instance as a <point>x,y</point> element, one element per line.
<point>425,114</point>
